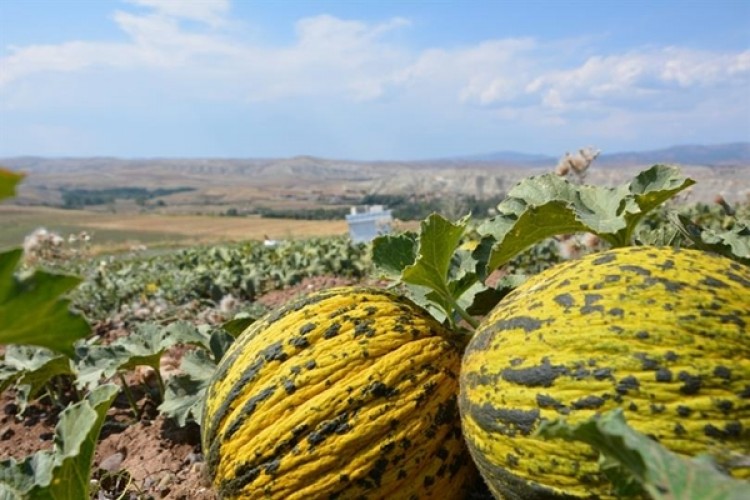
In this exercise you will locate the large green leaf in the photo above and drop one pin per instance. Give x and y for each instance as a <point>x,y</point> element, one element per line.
<point>548,205</point>
<point>661,473</point>
<point>31,310</point>
<point>438,240</point>
<point>733,243</point>
<point>143,347</point>
<point>8,182</point>
<point>393,253</point>
<point>185,392</point>
<point>30,369</point>
<point>64,472</point>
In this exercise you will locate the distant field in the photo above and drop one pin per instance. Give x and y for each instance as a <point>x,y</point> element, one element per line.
<point>110,231</point>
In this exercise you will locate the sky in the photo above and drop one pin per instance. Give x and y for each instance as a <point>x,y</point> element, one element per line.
<point>369,80</point>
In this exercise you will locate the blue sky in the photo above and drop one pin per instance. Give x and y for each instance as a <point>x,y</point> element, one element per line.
<point>369,79</point>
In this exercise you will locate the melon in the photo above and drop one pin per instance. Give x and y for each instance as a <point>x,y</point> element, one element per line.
<point>346,393</point>
<point>661,333</point>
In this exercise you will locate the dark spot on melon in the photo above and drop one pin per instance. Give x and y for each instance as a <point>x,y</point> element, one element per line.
<point>627,384</point>
<point>545,401</point>
<point>663,375</point>
<point>684,411</point>
<point>332,331</point>
<point>307,328</point>
<point>642,271</point>
<point>679,429</point>
<point>543,375</point>
<point>602,373</point>
<point>377,471</point>
<point>507,421</point>
<point>289,387</point>
<point>299,342</point>
<point>724,405</point>
<point>527,323</point>
<point>713,282</point>
<point>713,431</point>
<point>647,363</point>
<point>565,299</point>
<point>588,402</point>
<point>739,279</point>
<point>590,299</point>
<point>657,408</point>
<point>691,384</point>
<point>272,466</point>
<point>733,429</point>
<point>617,312</point>
<point>604,259</point>
<point>723,372</point>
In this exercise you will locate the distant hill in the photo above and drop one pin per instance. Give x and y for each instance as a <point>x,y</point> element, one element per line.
<point>737,153</point>
<point>306,180</point>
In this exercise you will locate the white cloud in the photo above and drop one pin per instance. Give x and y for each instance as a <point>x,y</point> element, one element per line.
<point>212,12</point>
<point>514,81</point>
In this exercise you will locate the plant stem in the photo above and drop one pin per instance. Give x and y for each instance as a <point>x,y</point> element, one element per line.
<point>160,382</point>
<point>461,312</point>
<point>129,395</point>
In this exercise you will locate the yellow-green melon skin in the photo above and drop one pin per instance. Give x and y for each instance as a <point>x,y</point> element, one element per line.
<point>347,393</point>
<point>658,332</point>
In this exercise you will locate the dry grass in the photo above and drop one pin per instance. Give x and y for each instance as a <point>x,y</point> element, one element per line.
<point>117,230</point>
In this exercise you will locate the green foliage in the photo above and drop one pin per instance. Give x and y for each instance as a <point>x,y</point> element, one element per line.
<point>548,205</point>
<point>632,459</point>
<point>185,392</point>
<point>30,369</point>
<point>207,274</point>
<point>79,198</point>
<point>733,242</point>
<point>8,182</point>
<point>63,472</point>
<point>449,280</point>
<point>31,310</point>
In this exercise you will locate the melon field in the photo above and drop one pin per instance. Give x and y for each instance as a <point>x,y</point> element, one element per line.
<point>586,341</point>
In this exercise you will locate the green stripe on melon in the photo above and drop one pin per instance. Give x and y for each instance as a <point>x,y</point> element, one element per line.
<point>347,393</point>
<point>659,332</point>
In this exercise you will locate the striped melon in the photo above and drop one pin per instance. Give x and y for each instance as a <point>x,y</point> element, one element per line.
<point>658,332</point>
<point>347,393</point>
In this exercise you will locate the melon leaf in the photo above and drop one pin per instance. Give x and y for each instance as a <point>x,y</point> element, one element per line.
<point>733,243</point>
<point>437,276</point>
<point>31,310</point>
<point>185,392</point>
<point>29,369</point>
<point>393,253</point>
<point>662,474</point>
<point>63,472</point>
<point>547,205</point>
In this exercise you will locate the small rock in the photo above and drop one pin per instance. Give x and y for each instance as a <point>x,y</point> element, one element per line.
<point>10,409</point>
<point>192,458</point>
<point>165,484</point>
<point>113,462</point>
<point>6,433</point>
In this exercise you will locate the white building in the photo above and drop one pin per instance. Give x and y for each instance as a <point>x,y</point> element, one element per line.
<point>365,225</point>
